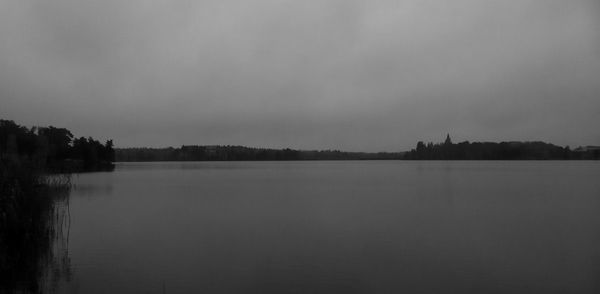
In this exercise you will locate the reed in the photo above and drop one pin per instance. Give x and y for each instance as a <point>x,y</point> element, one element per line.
<point>33,216</point>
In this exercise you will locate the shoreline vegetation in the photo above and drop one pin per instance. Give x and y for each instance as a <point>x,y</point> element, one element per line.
<point>430,151</point>
<point>242,153</point>
<point>35,180</point>
<point>513,150</point>
<point>54,150</point>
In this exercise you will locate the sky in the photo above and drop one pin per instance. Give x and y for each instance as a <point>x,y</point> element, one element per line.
<point>342,74</point>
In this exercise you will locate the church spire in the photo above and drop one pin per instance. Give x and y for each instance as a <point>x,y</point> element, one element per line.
<point>448,140</point>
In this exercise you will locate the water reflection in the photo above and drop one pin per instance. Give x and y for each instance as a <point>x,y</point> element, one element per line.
<point>90,190</point>
<point>329,227</point>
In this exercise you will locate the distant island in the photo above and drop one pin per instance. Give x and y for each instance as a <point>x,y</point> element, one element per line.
<point>430,151</point>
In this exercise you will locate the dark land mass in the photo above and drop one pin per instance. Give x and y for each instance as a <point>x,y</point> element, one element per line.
<point>430,151</point>
<point>499,151</point>
<point>241,153</point>
<point>54,149</point>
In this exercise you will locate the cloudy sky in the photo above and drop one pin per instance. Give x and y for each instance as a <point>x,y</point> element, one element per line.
<point>352,75</point>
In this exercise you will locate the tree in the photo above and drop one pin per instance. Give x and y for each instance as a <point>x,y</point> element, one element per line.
<point>58,141</point>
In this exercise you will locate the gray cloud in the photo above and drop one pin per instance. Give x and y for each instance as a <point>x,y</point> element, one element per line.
<point>354,75</point>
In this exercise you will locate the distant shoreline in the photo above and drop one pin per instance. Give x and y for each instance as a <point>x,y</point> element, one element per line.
<point>242,153</point>
<point>442,151</point>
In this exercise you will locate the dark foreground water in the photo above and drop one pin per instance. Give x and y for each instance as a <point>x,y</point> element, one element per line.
<point>336,227</point>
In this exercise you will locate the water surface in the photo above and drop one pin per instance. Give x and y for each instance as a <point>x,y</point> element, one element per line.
<point>337,227</point>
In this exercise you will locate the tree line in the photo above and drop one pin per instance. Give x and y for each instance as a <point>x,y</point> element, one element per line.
<point>430,151</point>
<point>54,148</point>
<point>241,153</point>
<point>498,151</point>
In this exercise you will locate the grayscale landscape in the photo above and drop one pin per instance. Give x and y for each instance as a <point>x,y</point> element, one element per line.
<point>262,146</point>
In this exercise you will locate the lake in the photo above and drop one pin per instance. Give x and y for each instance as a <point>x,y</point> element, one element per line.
<point>336,227</point>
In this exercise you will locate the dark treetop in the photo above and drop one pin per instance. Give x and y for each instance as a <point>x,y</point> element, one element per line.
<point>53,148</point>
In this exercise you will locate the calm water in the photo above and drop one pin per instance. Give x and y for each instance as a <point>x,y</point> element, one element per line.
<point>336,227</point>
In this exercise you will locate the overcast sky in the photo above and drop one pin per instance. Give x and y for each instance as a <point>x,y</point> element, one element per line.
<point>351,75</point>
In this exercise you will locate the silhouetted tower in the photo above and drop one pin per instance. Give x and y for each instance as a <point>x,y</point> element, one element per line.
<point>448,140</point>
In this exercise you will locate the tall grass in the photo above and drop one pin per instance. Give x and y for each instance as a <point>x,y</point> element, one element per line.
<point>33,217</point>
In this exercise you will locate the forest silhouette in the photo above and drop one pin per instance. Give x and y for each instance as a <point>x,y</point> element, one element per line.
<point>430,151</point>
<point>54,149</point>
<point>513,150</point>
